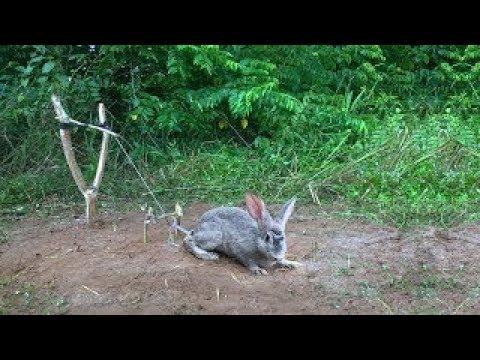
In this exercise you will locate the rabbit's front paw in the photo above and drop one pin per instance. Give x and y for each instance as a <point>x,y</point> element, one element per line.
<point>258,271</point>
<point>289,264</point>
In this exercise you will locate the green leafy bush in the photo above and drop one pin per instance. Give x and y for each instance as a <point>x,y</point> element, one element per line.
<point>392,128</point>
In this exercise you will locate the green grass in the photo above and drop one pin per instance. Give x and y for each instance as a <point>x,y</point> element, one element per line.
<point>3,237</point>
<point>407,171</point>
<point>26,299</point>
<point>429,291</point>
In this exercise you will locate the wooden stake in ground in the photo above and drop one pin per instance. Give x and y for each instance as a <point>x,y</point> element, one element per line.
<point>89,192</point>
<point>148,219</point>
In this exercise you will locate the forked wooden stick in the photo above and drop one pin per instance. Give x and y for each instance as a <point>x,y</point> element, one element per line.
<point>89,193</point>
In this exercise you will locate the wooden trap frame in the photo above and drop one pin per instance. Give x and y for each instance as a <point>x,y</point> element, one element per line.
<point>90,192</point>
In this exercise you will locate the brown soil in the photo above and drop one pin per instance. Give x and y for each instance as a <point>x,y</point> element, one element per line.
<point>61,265</point>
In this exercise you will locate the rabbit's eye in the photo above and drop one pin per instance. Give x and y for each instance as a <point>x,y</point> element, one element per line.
<point>268,238</point>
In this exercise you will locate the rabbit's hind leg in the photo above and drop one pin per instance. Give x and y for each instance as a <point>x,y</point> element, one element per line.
<point>202,243</point>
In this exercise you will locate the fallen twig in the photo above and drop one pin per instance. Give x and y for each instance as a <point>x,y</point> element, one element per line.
<point>92,291</point>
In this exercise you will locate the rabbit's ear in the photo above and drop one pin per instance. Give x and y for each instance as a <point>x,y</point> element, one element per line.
<point>255,206</point>
<point>286,211</point>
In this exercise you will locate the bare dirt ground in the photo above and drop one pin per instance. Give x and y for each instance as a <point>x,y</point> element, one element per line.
<point>59,265</point>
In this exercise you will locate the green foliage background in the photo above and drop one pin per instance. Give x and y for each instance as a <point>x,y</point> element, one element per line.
<point>392,130</point>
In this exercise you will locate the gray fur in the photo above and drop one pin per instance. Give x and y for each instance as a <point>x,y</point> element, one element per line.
<point>235,233</point>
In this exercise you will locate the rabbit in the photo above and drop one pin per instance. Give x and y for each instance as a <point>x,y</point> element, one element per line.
<point>252,237</point>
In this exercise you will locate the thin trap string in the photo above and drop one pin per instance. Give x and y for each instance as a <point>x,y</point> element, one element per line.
<point>164,215</point>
